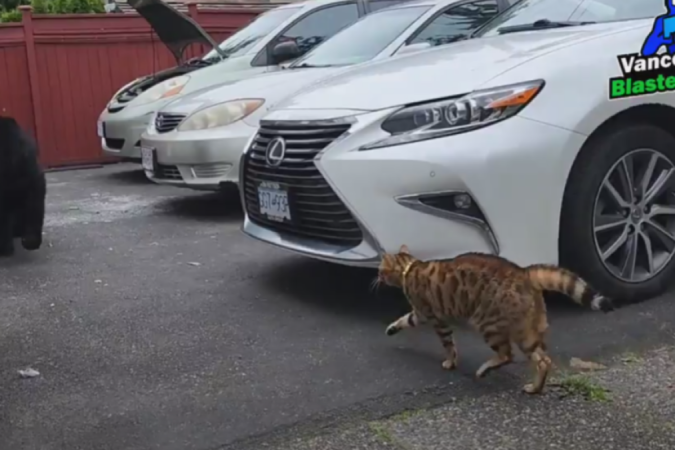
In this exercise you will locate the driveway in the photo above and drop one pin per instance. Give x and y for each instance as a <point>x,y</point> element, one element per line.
<point>156,324</point>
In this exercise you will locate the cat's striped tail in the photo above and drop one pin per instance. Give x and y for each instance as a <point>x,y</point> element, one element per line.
<point>553,278</point>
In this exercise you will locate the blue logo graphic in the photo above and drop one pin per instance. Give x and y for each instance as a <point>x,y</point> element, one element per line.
<point>663,32</point>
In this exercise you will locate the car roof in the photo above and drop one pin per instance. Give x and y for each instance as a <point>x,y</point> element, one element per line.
<point>315,3</point>
<point>309,3</point>
<point>409,3</point>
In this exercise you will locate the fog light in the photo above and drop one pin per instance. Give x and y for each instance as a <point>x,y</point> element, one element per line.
<point>453,202</point>
<point>462,201</point>
<point>452,205</point>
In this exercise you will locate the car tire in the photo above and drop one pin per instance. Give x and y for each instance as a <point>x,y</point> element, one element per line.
<point>578,250</point>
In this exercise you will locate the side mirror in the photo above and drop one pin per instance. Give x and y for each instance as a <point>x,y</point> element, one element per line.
<point>412,48</point>
<point>285,51</point>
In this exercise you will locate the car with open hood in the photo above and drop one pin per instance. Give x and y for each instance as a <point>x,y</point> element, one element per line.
<point>273,38</point>
<point>546,139</point>
<point>197,140</point>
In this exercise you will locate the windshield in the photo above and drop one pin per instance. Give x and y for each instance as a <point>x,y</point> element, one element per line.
<point>529,11</point>
<point>365,39</point>
<point>242,41</point>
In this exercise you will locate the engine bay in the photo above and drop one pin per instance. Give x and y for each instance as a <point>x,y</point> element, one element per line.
<point>145,83</point>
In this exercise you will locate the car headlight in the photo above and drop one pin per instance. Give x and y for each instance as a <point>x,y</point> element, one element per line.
<point>165,89</point>
<point>458,115</point>
<point>150,128</point>
<point>220,115</point>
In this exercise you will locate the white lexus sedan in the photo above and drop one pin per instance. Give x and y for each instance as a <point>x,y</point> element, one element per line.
<point>506,144</point>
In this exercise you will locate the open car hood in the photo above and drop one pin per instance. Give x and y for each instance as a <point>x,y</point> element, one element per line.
<point>176,30</point>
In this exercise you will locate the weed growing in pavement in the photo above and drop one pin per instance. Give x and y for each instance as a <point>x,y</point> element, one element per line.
<point>630,358</point>
<point>382,433</point>
<point>406,415</point>
<point>583,386</point>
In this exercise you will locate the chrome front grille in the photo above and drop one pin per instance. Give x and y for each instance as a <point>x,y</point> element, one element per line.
<point>211,170</point>
<point>165,122</point>
<point>316,210</point>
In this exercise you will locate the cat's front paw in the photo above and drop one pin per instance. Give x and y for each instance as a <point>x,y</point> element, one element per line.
<point>449,364</point>
<point>530,388</point>
<point>392,329</point>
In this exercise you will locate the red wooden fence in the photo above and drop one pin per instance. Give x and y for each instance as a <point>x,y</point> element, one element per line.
<point>58,72</point>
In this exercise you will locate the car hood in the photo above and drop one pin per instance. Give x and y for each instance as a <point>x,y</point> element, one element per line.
<point>271,87</point>
<point>442,72</point>
<point>176,30</point>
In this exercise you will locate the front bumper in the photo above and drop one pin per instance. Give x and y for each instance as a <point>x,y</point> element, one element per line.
<point>201,160</point>
<point>514,171</point>
<point>123,130</point>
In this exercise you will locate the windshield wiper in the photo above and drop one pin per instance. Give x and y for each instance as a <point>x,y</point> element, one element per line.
<point>309,66</point>
<point>198,62</point>
<point>540,24</point>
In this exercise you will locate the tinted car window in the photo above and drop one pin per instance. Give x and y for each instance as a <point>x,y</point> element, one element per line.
<point>365,39</point>
<point>528,11</point>
<point>457,22</point>
<point>320,25</point>
<point>244,39</point>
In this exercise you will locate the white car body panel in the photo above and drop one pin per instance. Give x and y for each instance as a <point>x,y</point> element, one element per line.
<point>129,123</point>
<point>516,170</point>
<point>173,148</point>
<point>216,152</point>
<point>448,71</point>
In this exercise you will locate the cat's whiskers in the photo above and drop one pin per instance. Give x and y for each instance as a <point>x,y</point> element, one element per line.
<point>375,284</point>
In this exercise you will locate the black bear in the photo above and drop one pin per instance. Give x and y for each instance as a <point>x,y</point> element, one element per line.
<point>23,189</point>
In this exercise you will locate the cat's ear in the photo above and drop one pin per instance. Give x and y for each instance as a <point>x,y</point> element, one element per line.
<point>404,250</point>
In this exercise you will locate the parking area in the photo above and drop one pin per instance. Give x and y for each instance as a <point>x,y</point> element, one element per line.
<point>156,324</point>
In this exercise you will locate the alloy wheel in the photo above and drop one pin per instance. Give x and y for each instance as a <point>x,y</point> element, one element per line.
<point>634,216</point>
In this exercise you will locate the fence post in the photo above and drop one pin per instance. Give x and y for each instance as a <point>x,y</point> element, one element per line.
<point>29,39</point>
<point>193,11</point>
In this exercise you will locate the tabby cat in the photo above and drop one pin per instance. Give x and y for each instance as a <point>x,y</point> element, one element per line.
<point>502,300</point>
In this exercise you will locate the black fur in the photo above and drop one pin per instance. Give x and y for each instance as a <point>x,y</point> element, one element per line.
<point>23,189</point>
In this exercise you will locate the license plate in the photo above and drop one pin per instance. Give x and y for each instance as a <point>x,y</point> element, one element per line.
<point>100,129</point>
<point>273,200</point>
<point>148,158</point>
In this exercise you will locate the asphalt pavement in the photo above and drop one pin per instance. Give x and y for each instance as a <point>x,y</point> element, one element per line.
<point>627,404</point>
<point>154,323</point>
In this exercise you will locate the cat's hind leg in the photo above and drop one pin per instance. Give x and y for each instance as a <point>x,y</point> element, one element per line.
<point>534,348</point>
<point>532,343</point>
<point>495,329</point>
<point>498,339</point>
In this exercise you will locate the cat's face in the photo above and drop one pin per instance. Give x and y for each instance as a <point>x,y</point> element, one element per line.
<point>392,266</point>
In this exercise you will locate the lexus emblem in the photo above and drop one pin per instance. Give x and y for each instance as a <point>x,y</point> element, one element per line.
<point>275,152</point>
